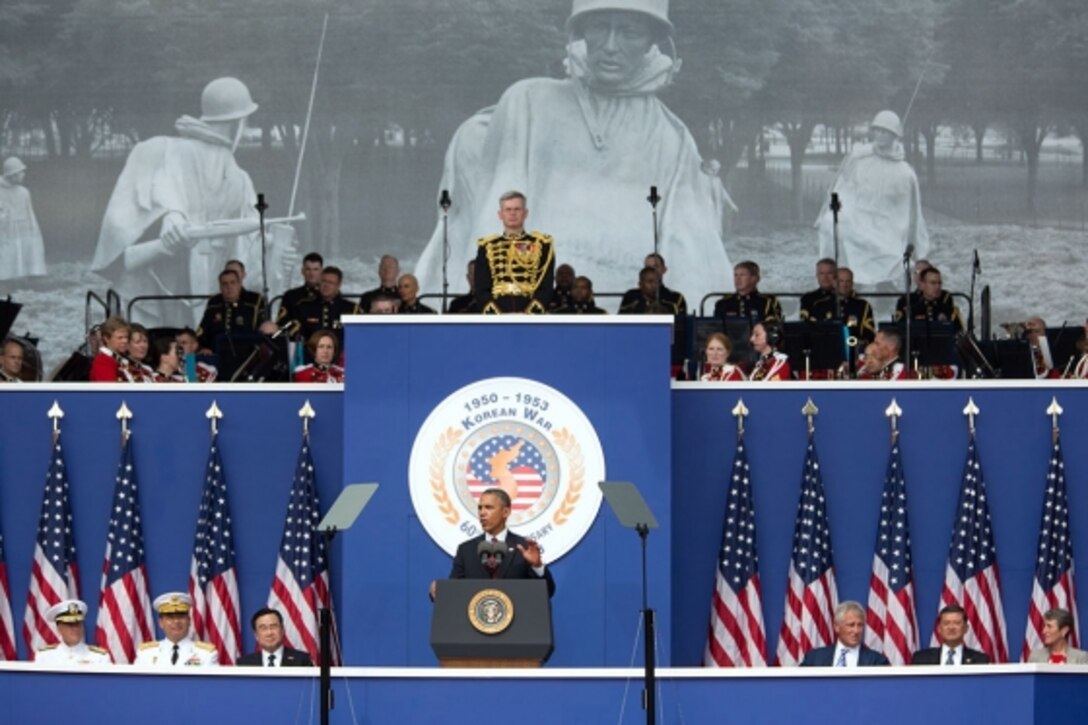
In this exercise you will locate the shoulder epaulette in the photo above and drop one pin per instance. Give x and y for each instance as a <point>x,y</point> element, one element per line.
<point>97,650</point>
<point>206,646</point>
<point>541,236</point>
<point>489,238</point>
<point>149,645</point>
<point>47,647</point>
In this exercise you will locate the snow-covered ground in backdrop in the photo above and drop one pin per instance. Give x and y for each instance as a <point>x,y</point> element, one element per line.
<point>1030,272</point>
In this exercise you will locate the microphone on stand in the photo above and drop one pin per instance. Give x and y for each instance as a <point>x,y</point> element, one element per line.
<point>653,198</point>
<point>978,265</point>
<point>908,253</point>
<point>444,201</point>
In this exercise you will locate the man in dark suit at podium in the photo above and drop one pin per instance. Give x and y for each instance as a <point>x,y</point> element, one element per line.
<point>522,558</point>
<point>848,651</point>
<point>268,630</point>
<point>952,628</point>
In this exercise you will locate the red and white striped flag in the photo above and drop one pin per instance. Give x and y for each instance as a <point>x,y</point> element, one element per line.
<point>54,574</point>
<point>736,637</point>
<point>1054,585</point>
<point>7,622</point>
<point>213,582</point>
<point>891,623</point>
<point>301,585</point>
<point>124,601</point>
<point>811,593</point>
<point>971,577</point>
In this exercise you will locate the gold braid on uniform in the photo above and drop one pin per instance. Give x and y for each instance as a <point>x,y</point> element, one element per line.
<point>760,370</point>
<point>518,266</point>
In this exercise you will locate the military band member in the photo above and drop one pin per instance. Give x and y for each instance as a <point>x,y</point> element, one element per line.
<point>194,369</point>
<point>564,287</point>
<point>581,300</point>
<point>388,275</point>
<point>11,363</point>
<point>324,311</point>
<point>408,286</point>
<point>881,360</point>
<point>933,304</point>
<point>747,302</point>
<point>228,313</point>
<point>772,365</point>
<point>670,296</point>
<point>177,648</point>
<point>324,348</point>
<point>466,304</point>
<point>646,298</point>
<point>514,269</point>
<point>111,364</point>
<point>72,650</point>
<point>857,313</point>
<point>312,264</point>
<point>717,367</point>
<point>820,303</point>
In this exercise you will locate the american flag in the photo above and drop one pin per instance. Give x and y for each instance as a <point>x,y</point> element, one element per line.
<point>213,584</point>
<point>811,594</point>
<point>7,623</point>
<point>54,575</point>
<point>301,585</point>
<point>891,622</point>
<point>124,602</point>
<point>1053,586</point>
<point>494,464</point>
<point>971,577</point>
<point>736,637</point>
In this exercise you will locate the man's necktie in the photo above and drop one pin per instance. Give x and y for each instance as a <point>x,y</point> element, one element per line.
<point>841,661</point>
<point>951,659</point>
<point>174,657</point>
<point>493,564</point>
<point>272,660</point>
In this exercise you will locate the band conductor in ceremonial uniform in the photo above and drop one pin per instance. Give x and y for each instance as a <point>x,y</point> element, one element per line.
<point>72,651</point>
<point>514,269</point>
<point>177,649</point>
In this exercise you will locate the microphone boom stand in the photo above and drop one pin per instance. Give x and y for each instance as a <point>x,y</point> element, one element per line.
<point>445,203</point>
<point>261,208</point>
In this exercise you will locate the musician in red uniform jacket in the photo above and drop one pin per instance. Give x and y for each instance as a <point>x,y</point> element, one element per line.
<point>323,346</point>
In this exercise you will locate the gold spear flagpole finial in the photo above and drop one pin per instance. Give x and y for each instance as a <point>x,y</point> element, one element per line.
<point>1054,411</point>
<point>971,411</point>
<point>893,412</point>
<point>56,414</point>
<point>740,410</point>
<point>214,414</point>
<point>810,411</point>
<point>307,413</point>
<point>124,415</point>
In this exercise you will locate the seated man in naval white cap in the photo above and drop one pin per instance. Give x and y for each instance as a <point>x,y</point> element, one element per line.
<point>72,650</point>
<point>178,648</point>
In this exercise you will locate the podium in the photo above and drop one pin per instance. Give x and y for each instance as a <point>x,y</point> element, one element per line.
<point>491,623</point>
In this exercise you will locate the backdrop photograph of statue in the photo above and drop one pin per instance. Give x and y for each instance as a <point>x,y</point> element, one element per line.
<point>744,114</point>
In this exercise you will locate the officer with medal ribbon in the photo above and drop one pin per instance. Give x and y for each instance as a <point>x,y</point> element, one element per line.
<point>514,269</point>
<point>178,648</point>
<point>73,650</point>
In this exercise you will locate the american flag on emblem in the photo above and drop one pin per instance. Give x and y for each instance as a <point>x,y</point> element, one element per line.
<point>891,625</point>
<point>1053,585</point>
<point>301,585</point>
<point>971,577</point>
<point>7,622</point>
<point>505,461</point>
<point>124,602</point>
<point>736,637</point>
<point>54,575</point>
<point>213,584</point>
<point>811,593</point>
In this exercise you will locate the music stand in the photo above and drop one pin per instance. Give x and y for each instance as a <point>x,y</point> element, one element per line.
<point>821,342</point>
<point>934,343</point>
<point>1012,359</point>
<point>8,312</point>
<point>739,332</point>
<point>1063,343</point>
<point>631,509</point>
<point>341,516</point>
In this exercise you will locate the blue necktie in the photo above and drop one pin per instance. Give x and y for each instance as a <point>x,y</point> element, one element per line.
<point>951,660</point>
<point>841,661</point>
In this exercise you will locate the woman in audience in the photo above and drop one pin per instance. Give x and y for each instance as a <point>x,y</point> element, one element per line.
<point>324,348</point>
<point>111,365</point>
<point>772,365</point>
<point>167,361</point>
<point>139,343</point>
<point>717,367</point>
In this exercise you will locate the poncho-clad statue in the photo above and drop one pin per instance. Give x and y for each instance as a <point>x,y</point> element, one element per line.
<point>881,208</point>
<point>586,150</point>
<point>152,240</point>
<point>22,253</point>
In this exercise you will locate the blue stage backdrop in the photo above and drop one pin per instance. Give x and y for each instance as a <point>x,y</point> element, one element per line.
<point>259,438</point>
<point>402,369</point>
<point>853,443</point>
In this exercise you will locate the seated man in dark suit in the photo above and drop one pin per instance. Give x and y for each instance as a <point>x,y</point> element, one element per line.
<point>522,560</point>
<point>268,630</point>
<point>952,628</point>
<point>848,651</point>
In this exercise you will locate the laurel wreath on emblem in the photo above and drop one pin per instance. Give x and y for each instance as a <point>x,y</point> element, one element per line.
<point>446,443</point>
<point>569,445</point>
